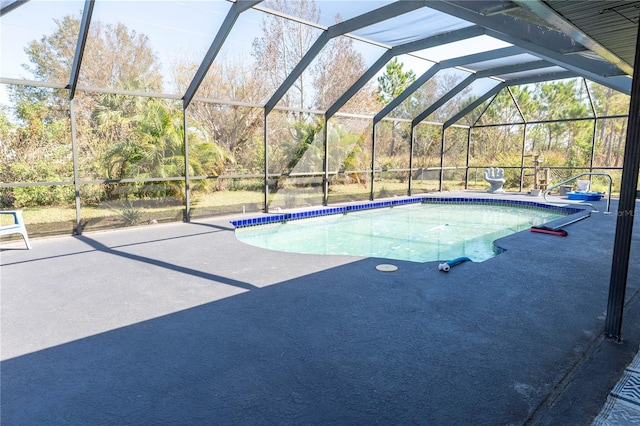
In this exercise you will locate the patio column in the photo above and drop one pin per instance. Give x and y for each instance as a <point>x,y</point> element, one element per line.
<point>626,211</point>
<point>411,142</point>
<point>266,163</point>
<point>373,160</point>
<point>76,174</point>
<point>441,159</point>
<point>187,186</point>
<point>325,164</point>
<point>593,144</point>
<point>595,125</point>
<point>466,169</point>
<point>524,145</point>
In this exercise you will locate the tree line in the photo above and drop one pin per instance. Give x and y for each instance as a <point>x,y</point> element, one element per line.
<point>126,136</point>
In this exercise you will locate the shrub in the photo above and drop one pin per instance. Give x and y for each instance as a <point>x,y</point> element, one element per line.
<point>31,196</point>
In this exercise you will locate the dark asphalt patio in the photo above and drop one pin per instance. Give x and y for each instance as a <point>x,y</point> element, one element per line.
<point>182,324</point>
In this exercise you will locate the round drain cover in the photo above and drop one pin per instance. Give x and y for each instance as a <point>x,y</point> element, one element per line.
<point>385,267</point>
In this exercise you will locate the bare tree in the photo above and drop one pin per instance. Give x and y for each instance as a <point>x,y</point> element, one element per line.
<point>234,128</point>
<point>282,46</point>
<point>338,66</point>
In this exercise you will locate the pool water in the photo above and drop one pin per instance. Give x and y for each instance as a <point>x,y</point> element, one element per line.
<point>416,232</point>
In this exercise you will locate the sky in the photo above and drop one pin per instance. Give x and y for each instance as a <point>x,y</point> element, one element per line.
<point>186,28</point>
<point>169,25</point>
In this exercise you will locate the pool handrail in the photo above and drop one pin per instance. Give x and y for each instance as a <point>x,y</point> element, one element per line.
<point>546,192</point>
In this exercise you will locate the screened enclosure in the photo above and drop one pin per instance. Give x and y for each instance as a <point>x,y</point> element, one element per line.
<point>124,113</point>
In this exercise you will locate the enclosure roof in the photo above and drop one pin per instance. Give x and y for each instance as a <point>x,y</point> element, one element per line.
<point>511,42</point>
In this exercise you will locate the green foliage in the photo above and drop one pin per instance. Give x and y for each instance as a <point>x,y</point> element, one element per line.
<point>131,213</point>
<point>302,144</point>
<point>455,147</point>
<point>502,108</point>
<point>133,137</point>
<point>30,196</point>
<point>496,146</point>
<point>347,149</point>
<point>394,81</point>
<point>151,146</point>
<point>246,185</point>
<point>391,84</point>
<point>36,150</point>
<point>426,148</point>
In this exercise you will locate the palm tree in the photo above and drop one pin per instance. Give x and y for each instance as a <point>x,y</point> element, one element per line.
<point>150,144</point>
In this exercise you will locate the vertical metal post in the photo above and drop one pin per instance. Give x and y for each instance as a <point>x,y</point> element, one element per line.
<point>325,179</point>
<point>466,167</point>
<point>524,144</point>
<point>373,161</point>
<point>266,164</point>
<point>595,125</point>
<point>411,143</point>
<point>187,186</point>
<point>76,173</point>
<point>593,144</point>
<point>626,212</point>
<point>441,160</point>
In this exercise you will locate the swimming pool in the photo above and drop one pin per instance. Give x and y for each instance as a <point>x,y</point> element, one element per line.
<point>418,231</point>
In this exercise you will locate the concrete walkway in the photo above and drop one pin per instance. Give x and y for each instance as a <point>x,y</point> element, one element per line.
<point>182,324</point>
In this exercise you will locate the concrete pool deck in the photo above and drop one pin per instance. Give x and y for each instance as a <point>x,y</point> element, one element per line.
<point>182,324</point>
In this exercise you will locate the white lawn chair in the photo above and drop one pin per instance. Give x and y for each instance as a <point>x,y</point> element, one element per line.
<point>17,227</point>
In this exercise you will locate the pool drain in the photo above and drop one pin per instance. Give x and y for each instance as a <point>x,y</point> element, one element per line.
<point>385,267</point>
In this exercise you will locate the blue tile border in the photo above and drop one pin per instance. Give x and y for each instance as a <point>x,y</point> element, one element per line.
<point>326,211</point>
<point>501,202</point>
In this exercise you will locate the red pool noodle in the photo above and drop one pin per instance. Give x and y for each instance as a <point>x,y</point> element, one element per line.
<point>559,232</point>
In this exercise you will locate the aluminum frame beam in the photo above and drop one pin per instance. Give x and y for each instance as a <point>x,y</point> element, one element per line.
<point>554,19</point>
<point>473,105</point>
<point>626,213</point>
<point>542,77</point>
<point>561,75</point>
<point>449,63</point>
<point>596,71</point>
<point>227,25</point>
<point>538,41</point>
<point>8,6</point>
<point>87,13</point>
<point>441,101</point>
<point>421,44</point>
<point>467,81</point>
<point>366,19</point>
<point>472,11</point>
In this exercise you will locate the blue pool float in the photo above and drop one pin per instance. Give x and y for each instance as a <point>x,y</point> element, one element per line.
<point>446,266</point>
<point>586,196</point>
